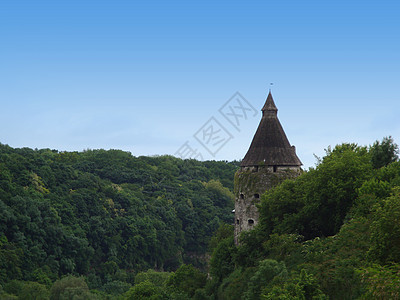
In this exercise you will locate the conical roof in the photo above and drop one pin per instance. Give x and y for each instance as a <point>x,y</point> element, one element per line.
<point>270,145</point>
<point>269,104</point>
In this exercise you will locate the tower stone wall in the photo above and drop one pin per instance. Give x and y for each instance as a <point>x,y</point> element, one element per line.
<point>250,184</point>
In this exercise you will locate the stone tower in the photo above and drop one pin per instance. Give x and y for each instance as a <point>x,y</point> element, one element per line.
<point>269,160</point>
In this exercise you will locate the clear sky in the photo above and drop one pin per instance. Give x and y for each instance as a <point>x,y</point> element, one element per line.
<point>147,76</point>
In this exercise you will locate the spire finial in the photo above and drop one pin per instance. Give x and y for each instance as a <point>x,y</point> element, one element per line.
<point>269,105</point>
<point>270,86</point>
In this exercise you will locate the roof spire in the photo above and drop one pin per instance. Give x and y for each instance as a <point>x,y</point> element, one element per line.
<point>269,106</point>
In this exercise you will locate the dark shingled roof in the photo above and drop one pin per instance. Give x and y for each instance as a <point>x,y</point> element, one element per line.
<point>270,145</point>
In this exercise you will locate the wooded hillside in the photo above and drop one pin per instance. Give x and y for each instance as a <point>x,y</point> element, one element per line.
<point>106,215</point>
<point>106,225</point>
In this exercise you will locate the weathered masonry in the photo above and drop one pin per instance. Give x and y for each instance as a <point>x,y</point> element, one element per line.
<point>269,160</point>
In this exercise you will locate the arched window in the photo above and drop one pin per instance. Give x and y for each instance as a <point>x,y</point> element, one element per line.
<point>237,221</point>
<point>241,196</point>
<point>251,222</point>
<point>256,196</point>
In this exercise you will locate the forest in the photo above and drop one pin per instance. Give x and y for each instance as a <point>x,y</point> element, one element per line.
<point>103,224</point>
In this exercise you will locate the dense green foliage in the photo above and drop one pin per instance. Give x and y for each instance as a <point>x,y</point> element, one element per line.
<point>333,232</point>
<point>106,225</point>
<point>106,215</point>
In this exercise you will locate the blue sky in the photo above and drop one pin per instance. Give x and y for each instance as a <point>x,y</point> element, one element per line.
<point>145,76</point>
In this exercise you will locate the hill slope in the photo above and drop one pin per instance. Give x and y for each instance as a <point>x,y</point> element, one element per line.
<point>99,212</point>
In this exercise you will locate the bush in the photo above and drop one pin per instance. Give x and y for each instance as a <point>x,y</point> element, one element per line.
<point>34,291</point>
<point>157,278</point>
<point>186,279</point>
<point>385,230</point>
<point>116,287</point>
<point>269,270</point>
<point>70,287</point>
<point>144,290</point>
<point>300,286</point>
